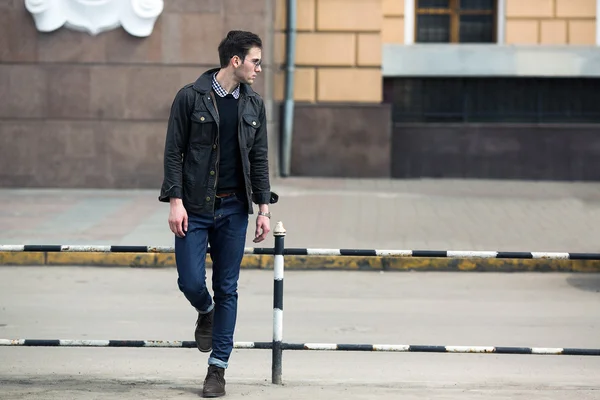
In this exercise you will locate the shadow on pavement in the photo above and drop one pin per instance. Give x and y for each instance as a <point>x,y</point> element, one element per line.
<point>586,282</point>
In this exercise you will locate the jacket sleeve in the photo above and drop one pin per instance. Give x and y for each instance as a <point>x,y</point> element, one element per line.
<point>259,162</point>
<point>175,146</point>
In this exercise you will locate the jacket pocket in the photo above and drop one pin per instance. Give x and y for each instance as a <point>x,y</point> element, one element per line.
<point>251,125</point>
<point>202,128</point>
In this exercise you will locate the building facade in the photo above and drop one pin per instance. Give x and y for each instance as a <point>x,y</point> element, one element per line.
<point>506,89</point>
<point>503,89</point>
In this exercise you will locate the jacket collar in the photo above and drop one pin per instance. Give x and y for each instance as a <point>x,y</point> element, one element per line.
<point>204,84</point>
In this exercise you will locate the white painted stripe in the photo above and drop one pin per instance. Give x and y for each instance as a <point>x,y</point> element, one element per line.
<point>472,254</point>
<point>277,325</point>
<point>12,342</point>
<point>84,249</point>
<point>391,347</point>
<point>398,253</point>
<point>79,343</point>
<point>243,345</point>
<point>278,270</point>
<point>320,346</point>
<point>470,349</point>
<point>161,249</point>
<point>323,252</point>
<point>163,343</point>
<point>554,256</point>
<point>11,247</point>
<point>546,350</point>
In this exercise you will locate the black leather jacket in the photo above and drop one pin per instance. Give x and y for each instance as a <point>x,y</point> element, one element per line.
<point>191,157</point>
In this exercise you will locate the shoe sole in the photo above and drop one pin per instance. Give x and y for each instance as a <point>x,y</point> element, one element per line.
<point>203,339</point>
<point>213,395</point>
<point>203,349</point>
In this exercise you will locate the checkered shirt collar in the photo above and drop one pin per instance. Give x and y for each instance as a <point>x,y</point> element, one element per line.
<point>222,92</point>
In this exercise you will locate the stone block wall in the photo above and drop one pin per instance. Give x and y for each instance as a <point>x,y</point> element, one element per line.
<point>393,22</point>
<point>91,111</point>
<point>341,128</point>
<point>547,22</point>
<point>338,50</point>
<point>551,22</point>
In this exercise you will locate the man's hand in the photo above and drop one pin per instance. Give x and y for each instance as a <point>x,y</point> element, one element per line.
<point>178,218</point>
<point>263,227</point>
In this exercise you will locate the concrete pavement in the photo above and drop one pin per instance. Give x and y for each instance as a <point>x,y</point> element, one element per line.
<point>334,213</point>
<point>530,310</point>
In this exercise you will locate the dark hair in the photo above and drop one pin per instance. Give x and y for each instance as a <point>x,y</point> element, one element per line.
<point>237,43</point>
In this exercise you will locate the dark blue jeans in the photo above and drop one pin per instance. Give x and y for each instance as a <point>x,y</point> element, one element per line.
<point>226,234</point>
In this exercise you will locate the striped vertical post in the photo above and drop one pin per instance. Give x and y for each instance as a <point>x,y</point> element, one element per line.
<point>279,234</point>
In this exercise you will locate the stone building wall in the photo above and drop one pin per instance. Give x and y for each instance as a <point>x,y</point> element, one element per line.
<point>91,111</point>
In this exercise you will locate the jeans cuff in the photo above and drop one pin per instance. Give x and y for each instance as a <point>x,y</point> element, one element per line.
<point>217,363</point>
<point>210,308</point>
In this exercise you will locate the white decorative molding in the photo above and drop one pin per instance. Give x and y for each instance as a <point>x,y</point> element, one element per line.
<point>409,22</point>
<point>137,17</point>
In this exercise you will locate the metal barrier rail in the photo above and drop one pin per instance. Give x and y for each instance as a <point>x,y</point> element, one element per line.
<point>314,252</point>
<point>277,345</point>
<point>397,348</point>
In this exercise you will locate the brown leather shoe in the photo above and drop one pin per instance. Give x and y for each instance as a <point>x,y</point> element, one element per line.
<point>203,333</point>
<point>214,383</point>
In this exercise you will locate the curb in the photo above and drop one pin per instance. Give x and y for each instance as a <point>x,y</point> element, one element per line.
<point>346,263</point>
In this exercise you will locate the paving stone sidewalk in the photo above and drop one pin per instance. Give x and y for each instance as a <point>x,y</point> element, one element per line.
<point>335,213</point>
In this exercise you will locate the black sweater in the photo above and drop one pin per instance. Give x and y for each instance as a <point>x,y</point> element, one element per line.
<point>231,175</point>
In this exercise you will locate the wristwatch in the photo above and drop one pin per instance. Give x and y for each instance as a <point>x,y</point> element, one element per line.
<point>265,214</point>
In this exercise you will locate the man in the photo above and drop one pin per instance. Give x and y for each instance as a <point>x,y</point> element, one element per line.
<point>215,167</point>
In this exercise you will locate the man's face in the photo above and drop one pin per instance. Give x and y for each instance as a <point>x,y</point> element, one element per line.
<point>249,67</point>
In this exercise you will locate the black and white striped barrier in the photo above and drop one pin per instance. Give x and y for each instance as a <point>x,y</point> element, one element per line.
<point>276,368</point>
<point>313,252</point>
<point>307,346</point>
<point>277,345</point>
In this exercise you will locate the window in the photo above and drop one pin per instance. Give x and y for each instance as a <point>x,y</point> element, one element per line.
<point>493,99</point>
<point>455,21</point>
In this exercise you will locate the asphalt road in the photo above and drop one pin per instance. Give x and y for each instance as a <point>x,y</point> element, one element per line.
<point>471,309</point>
